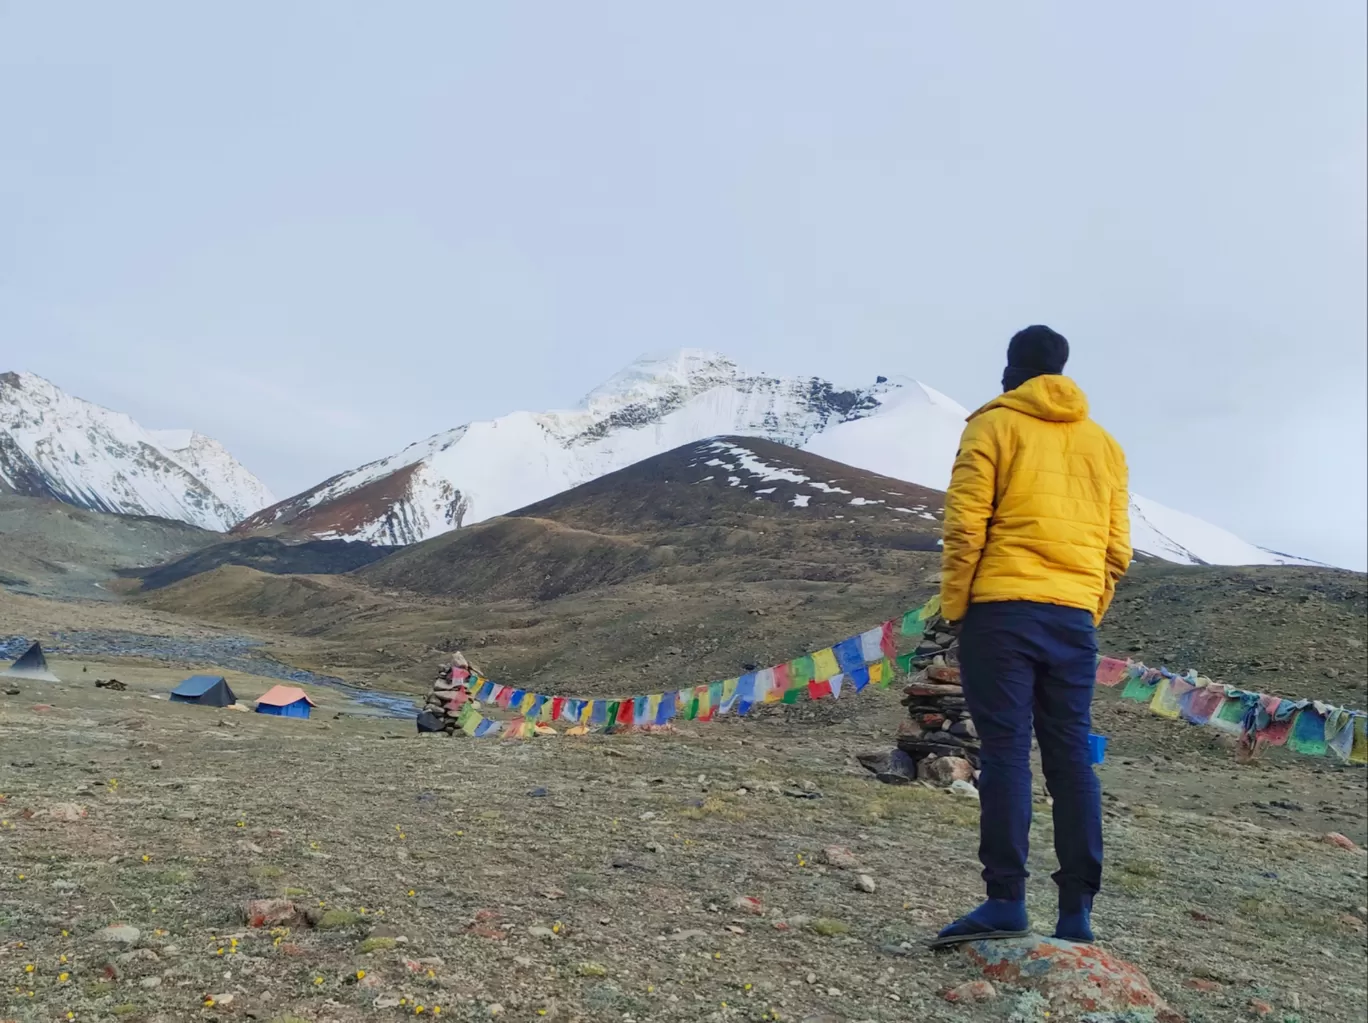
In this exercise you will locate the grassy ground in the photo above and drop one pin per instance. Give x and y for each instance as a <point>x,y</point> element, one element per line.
<point>597,879</point>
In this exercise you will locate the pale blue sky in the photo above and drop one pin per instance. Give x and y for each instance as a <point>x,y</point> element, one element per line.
<point>319,231</point>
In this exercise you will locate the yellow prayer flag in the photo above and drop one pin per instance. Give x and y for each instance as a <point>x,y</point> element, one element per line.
<point>471,723</point>
<point>652,708</point>
<point>1160,704</point>
<point>876,671</point>
<point>824,665</point>
<point>525,704</point>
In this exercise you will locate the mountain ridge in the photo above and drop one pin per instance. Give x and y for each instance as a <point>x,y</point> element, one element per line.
<point>58,446</point>
<point>897,427</point>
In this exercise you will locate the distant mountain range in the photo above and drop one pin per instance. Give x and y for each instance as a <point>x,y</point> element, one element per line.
<point>58,446</point>
<point>897,427</point>
<point>52,444</point>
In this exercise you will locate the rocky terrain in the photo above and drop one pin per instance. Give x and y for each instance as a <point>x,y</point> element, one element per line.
<point>55,549</point>
<point>735,871</point>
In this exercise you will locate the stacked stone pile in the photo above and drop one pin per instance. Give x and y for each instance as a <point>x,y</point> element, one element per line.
<point>939,735</point>
<point>450,693</point>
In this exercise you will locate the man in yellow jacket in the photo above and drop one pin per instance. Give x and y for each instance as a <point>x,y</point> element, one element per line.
<point>1036,537</point>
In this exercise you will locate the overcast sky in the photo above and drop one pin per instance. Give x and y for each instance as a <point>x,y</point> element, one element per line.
<point>319,231</point>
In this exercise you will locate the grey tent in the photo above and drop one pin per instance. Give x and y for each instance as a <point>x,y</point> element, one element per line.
<point>33,665</point>
<point>205,690</point>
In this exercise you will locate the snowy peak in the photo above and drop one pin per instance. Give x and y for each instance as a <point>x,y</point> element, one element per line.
<point>58,446</point>
<point>484,469</point>
<point>897,427</point>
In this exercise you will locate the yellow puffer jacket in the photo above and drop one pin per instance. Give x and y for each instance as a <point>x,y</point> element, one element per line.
<point>1037,506</point>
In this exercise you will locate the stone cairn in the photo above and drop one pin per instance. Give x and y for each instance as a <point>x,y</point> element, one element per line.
<point>939,735</point>
<point>450,693</point>
<point>938,743</point>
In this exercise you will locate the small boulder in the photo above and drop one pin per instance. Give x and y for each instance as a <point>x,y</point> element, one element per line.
<point>1073,977</point>
<point>271,913</point>
<point>120,934</point>
<point>1340,841</point>
<point>840,857</point>
<point>69,812</point>
<point>971,993</point>
<point>945,771</point>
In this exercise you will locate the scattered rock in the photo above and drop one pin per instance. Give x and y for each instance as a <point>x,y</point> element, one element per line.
<point>1259,1007</point>
<point>540,792</point>
<point>866,884</point>
<point>840,857</point>
<point>120,934</point>
<point>1336,839</point>
<point>1071,976</point>
<point>971,993</point>
<point>545,933</point>
<point>959,787</point>
<point>828,928</point>
<point>69,812</point>
<point>223,1000</point>
<point>1203,984</point>
<point>155,765</point>
<point>150,982</point>
<point>592,970</point>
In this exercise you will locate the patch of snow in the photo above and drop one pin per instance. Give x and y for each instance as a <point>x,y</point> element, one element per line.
<point>767,490</point>
<point>800,500</point>
<point>863,500</point>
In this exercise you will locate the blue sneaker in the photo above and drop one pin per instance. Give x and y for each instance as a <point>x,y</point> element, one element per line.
<point>996,918</point>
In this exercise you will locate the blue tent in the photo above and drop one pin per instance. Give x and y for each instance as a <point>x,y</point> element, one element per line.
<point>205,690</point>
<point>285,702</point>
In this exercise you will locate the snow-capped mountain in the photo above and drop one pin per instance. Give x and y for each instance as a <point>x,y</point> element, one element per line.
<point>484,469</point>
<point>914,435</point>
<point>898,427</point>
<point>55,445</point>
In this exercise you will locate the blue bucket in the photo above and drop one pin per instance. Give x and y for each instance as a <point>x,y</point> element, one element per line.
<point>1097,748</point>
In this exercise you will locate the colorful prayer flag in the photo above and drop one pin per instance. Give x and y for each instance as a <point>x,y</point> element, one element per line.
<point>817,690</point>
<point>849,655</point>
<point>1111,671</point>
<point>824,665</point>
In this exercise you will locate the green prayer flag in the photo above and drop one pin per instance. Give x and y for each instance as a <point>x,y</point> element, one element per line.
<point>913,624</point>
<point>791,694</point>
<point>801,671</point>
<point>612,713</point>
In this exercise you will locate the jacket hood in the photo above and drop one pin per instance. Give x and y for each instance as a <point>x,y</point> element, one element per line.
<point>1051,397</point>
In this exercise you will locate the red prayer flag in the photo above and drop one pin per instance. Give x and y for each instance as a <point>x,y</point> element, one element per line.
<point>817,690</point>
<point>781,678</point>
<point>625,714</point>
<point>557,702</point>
<point>888,642</point>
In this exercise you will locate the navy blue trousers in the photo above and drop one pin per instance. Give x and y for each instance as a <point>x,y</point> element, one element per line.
<point>1024,662</point>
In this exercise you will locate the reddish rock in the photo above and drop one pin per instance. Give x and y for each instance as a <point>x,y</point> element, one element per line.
<point>271,913</point>
<point>944,673</point>
<point>1203,984</point>
<point>840,857</point>
<point>1260,1007</point>
<point>749,905</point>
<point>945,771</point>
<point>1071,976</point>
<point>971,993</point>
<point>1336,839</point>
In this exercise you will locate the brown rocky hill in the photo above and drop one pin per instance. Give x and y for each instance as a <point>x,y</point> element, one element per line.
<point>728,508</point>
